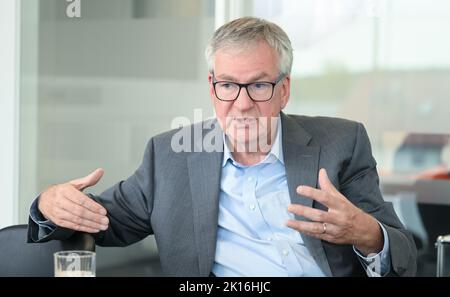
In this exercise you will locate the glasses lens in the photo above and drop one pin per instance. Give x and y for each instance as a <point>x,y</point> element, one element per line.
<point>227,90</point>
<point>260,91</point>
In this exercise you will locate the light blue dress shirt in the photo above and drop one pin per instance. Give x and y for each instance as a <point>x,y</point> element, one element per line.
<point>252,238</point>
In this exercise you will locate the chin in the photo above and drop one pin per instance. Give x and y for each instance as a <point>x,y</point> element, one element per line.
<point>243,140</point>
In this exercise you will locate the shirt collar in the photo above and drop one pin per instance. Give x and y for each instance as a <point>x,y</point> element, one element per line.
<point>276,151</point>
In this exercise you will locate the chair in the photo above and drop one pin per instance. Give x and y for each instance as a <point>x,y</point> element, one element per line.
<point>407,209</point>
<point>19,258</point>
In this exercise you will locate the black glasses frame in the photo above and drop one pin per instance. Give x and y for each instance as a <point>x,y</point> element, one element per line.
<point>280,78</point>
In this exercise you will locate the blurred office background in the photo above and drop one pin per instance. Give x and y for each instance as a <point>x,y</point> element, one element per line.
<point>91,91</point>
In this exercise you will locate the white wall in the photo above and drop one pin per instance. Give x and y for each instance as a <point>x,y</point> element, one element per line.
<point>9,51</point>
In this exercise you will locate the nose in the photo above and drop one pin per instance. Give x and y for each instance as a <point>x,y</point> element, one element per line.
<point>243,101</point>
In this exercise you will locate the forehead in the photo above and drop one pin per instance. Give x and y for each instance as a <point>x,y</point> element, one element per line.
<point>246,61</point>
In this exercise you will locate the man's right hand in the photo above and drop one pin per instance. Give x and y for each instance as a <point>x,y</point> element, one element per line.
<point>66,206</point>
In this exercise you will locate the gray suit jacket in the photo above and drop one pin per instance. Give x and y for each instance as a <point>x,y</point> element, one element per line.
<point>175,197</point>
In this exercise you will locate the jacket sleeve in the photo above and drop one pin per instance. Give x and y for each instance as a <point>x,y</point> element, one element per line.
<point>360,184</point>
<point>128,204</point>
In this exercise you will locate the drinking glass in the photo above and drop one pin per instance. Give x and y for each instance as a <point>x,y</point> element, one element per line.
<point>74,264</point>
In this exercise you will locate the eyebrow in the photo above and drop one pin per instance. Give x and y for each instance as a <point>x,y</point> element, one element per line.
<point>253,78</point>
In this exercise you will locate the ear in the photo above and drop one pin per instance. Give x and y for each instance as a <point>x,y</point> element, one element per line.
<point>285,91</point>
<point>210,78</point>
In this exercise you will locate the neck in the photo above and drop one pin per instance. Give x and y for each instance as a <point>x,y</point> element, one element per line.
<point>249,159</point>
<point>243,154</point>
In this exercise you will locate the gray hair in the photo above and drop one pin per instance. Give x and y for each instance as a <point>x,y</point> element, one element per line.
<point>249,30</point>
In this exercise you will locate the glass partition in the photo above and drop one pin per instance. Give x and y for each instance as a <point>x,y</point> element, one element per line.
<point>384,63</point>
<point>95,88</point>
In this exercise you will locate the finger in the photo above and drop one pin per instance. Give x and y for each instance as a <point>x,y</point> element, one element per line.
<point>83,213</point>
<point>306,227</point>
<point>313,214</point>
<point>317,195</point>
<point>88,180</point>
<point>331,234</point>
<point>76,227</point>
<point>325,183</point>
<point>325,237</point>
<point>80,212</point>
<point>68,216</point>
<point>81,199</point>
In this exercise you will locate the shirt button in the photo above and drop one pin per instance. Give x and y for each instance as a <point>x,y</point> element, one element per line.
<point>252,206</point>
<point>285,252</point>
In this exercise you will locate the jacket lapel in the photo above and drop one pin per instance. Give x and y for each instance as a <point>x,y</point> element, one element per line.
<point>204,178</point>
<point>302,163</point>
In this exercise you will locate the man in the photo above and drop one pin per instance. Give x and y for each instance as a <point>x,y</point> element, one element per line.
<point>303,202</point>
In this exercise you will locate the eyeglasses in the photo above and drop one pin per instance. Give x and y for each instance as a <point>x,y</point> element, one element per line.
<point>259,91</point>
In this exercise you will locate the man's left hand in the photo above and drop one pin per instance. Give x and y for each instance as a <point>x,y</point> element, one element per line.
<point>343,223</point>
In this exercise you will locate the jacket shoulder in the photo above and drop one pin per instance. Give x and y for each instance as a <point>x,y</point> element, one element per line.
<point>192,133</point>
<point>330,131</point>
<point>325,123</point>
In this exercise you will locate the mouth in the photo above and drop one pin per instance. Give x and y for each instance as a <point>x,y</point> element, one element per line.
<point>243,121</point>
